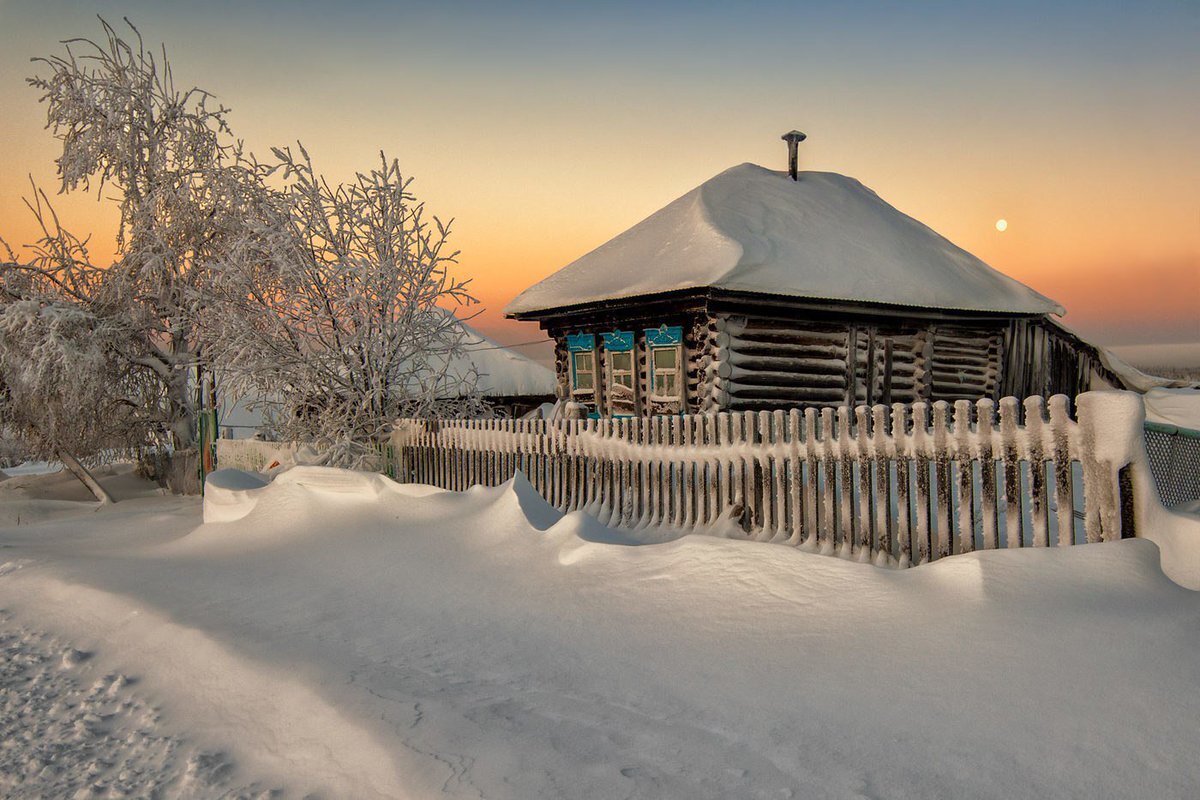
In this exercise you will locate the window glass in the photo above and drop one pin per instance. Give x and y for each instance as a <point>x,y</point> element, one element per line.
<point>621,368</point>
<point>585,375</point>
<point>665,382</point>
<point>620,394</point>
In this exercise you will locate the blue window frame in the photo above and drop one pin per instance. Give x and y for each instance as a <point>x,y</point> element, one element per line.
<point>618,341</point>
<point>581,355</point>
<point>664,363</point>
<point>664,336</point>
<point>620,374</point>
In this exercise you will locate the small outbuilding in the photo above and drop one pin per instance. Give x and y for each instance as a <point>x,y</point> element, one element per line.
<point>760,290</point>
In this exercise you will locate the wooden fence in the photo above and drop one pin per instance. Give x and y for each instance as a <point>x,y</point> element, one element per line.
<point>903,484</point>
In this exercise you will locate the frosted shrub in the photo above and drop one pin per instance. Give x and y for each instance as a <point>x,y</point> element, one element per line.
<point>335,311</point>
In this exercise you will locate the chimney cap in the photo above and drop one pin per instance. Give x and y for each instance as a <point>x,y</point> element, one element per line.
<point>793,136</point>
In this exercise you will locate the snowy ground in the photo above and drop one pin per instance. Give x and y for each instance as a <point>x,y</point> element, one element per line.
<point>349,637</point>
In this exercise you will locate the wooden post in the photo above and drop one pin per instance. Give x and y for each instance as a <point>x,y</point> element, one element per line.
<point>846,469</point>
<point>966,475</point>
<point>865,539</point>
<point>1014,523</point>
<point>880,462</point>
<point>920,439</point>
<point>795,470</point>
<point>941,454</point>
<point>1128,508</point>
<point>1038,501</point>
<point>828,518</point>
<point>1064,497</point>
<point>903,502</point>
<point>985,412</point>
<point>811,529</point>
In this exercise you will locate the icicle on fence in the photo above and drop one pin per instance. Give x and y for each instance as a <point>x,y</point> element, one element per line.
<point>903,484</point>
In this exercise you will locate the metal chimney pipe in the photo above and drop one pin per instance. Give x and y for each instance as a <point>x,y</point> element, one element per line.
<point>793,139</point>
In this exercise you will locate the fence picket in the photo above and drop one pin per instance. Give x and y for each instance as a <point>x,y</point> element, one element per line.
<point>920,440</point>
<point>1064,500</point>
<point>865,519</point>
<point>985,416</point>
<point>845,480</point>
<point>1014,518</point>
<point>1034,431</point>
<point>903,512</point>
<point>966,475</point>
<point>880,465</point>
<point>828,521</point>
<point>941,458</point>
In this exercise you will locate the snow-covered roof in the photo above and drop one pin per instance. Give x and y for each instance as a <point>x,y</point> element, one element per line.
<point>751,229</point>
<point>502,372</point>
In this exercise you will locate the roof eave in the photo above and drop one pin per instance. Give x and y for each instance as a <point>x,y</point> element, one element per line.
<point>767,298</point>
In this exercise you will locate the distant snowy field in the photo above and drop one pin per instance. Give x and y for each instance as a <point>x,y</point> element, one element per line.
<point>345,636</point>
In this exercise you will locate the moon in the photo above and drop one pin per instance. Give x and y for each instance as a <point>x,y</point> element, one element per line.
<point>1001,225</point>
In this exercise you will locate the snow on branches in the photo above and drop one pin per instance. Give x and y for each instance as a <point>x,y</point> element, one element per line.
<point>331,304</point>
<point>183,185</point>
<point>334,310</point>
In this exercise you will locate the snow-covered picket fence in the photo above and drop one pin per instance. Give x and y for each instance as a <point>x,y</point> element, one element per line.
<point>903,484</point>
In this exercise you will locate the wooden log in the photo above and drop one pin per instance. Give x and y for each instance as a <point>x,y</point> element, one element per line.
<point>1038,498</point>
<point>788,371</point>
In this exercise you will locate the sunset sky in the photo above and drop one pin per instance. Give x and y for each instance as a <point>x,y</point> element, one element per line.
<point>545,129</point>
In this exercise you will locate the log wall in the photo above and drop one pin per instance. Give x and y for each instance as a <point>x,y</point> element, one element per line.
<point>767,361</point>
<point>764,364</point>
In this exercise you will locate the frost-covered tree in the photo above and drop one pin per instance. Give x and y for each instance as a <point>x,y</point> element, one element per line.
<point>336,310</point>
<point>70,385</point>
<point>64,387</point>
<point>184,190</point>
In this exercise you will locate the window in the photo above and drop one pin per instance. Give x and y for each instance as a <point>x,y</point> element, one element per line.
<point>665,363</point>
<point>620,388</point>
<point>665,373</point>
<point>583,369</point>
<point>581,355</point>
<point>620,381</point>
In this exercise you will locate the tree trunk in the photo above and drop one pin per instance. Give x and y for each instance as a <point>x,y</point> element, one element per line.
<point>86,478</point>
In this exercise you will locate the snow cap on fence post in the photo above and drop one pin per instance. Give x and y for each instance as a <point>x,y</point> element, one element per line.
<point>1112,433</point>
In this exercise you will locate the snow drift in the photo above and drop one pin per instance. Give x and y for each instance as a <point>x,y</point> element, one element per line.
<point>353,637</point>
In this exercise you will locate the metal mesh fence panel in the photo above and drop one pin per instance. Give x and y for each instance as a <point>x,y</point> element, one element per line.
<point>1174,463</point>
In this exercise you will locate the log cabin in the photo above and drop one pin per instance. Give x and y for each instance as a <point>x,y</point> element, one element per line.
<point>762,290</point>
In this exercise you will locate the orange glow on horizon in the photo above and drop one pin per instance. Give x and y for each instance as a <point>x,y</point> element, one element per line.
<point>541,155</point>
